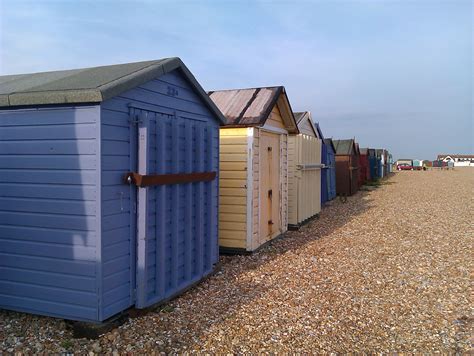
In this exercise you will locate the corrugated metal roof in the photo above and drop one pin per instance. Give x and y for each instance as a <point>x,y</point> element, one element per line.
<point>252,106</point>
<point>344,147</point>
<point>90,85</point>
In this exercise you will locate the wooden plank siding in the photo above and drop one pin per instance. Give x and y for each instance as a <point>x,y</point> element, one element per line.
<point>305,151</point>
<point>118,200</point>
<point>50,211</point>
<point>233,187</point>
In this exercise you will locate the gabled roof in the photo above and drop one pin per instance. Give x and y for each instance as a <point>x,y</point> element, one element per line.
<point>364,151</point>
<point>329,142</point>
<point>252,107</point>
<point>90,85</point>
<point>345,147</point>
<point>305,116</point>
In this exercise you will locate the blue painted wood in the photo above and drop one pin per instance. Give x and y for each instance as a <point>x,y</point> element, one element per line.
<point>171,244</point>
<point>331,173</point>
<point>48,213</point>
<point>68,221</point>
<point>324,174</point>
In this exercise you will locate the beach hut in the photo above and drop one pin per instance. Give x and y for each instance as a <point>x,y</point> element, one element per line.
<point>347,167</point>
<point>304,171</point>
<point>253,166</point>
<point>364,175</point>
<point>380,162</point>
<point>329,169</point>
<point>390,163</point>
<point>109,189</point>
<point>373,164</point>
<point>417,164</point>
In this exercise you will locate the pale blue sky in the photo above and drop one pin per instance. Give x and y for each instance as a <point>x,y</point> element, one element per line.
<point>394,74</point>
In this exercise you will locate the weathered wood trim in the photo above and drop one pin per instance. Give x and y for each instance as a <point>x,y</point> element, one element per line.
<point>250,132</point>
<point>273,129</point>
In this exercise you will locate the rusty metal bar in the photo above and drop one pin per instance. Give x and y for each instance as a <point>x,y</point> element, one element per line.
<point>164,179</point>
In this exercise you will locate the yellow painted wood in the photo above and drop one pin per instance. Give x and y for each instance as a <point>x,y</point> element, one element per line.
<point>275,119</point>
<point>232,201</point>
<point>304,195</point>
<point>270,181</point>
<point>232,243</point>
<point>233,187</point>
<point>284,183</point>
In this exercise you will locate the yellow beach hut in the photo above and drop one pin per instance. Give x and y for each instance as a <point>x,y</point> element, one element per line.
<point>253,178</point>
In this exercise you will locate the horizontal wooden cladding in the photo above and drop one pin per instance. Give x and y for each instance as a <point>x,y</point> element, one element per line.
<point>48,161</point>
<point>48,235</point>
<point>165,179</point>
<point>48,132</point>
<point>43,249</point>
<point>48,176</point>
<point>47,307</point>
<point>48,147</point>
<point>67,264</point>
<point>50,116</point>
<point>49,191</point>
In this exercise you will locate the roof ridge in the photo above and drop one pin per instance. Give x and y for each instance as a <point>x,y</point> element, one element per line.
<point>155,62</point>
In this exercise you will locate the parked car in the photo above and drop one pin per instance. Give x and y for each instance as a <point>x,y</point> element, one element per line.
<point>404,167</point>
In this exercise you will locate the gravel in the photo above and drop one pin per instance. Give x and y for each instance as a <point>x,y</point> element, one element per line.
<point>386,271</point>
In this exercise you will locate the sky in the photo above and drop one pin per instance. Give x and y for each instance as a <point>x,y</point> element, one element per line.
<point>393,74</point>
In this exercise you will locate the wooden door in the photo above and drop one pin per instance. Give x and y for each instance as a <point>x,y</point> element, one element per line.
<point>269,184</point>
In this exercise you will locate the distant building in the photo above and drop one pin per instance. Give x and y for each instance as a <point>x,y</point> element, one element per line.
<point>458,160</point>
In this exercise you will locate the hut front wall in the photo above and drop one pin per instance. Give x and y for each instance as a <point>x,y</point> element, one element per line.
<point>233,179</point>
<point>258,223</point>
<point>304,184</point>
<point>343,175</point>
<point>181,244</point>
<point>50,228</point>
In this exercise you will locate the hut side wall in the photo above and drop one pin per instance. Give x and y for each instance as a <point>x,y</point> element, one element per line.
<point>50,211</point>
<point>173,97</point>
<point>233,187</point>
<point>293,160</point>
<point>304,193</point>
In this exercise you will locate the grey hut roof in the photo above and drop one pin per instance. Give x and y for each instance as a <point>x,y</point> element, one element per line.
<point>344,147</point>
<point>300,115</point>
<point>90,85</point>
<point>364,151</point>
<point>252,106</point>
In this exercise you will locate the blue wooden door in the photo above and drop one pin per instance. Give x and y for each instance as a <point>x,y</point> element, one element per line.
<point>176,222</point>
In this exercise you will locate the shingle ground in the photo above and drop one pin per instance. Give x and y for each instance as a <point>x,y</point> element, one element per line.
<point>388,270</point>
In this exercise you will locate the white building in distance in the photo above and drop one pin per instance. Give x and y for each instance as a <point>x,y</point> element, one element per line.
<point>458,160</point>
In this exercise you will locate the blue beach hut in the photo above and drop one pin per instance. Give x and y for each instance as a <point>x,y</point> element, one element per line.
<point>109,188</point>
